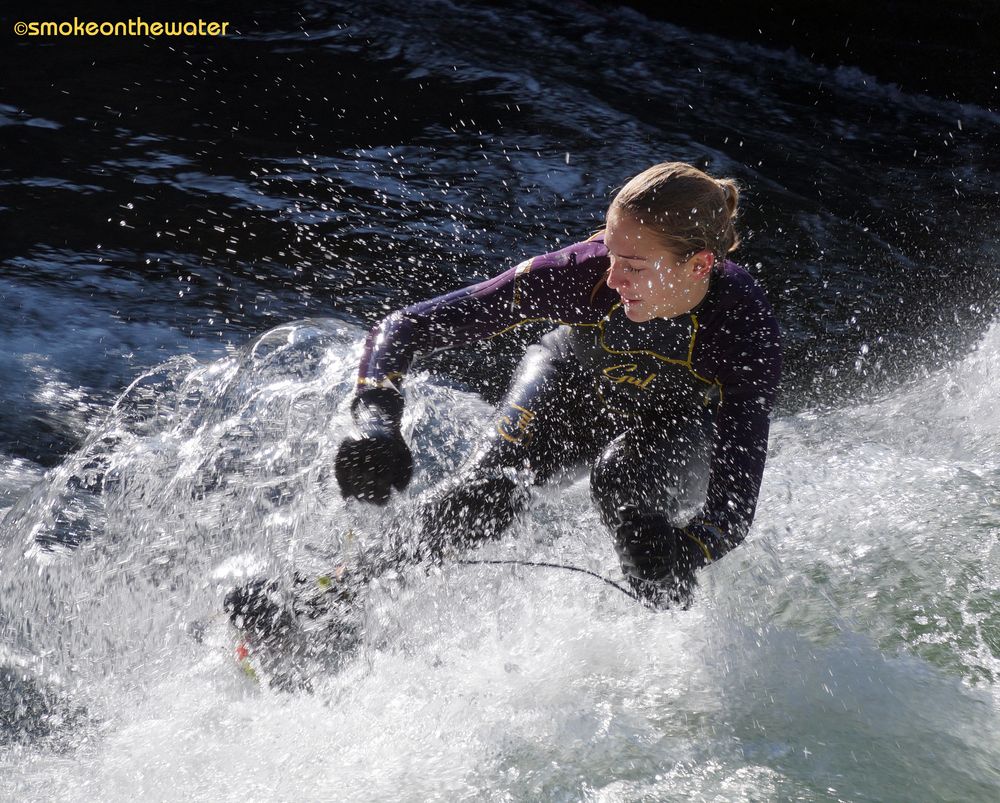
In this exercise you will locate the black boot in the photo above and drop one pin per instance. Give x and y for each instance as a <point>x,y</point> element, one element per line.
<point>259,609</point>
<point>263,609</point>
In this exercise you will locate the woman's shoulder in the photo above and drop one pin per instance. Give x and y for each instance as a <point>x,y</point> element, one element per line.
<point>736,286</point>
<point>739,306</point>
<point>588,256</point>
<point>592,246</point>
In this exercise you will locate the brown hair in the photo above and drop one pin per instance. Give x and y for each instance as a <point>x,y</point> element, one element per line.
<point>688,209</point>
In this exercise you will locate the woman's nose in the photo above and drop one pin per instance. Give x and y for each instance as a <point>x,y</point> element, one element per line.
<point>616,278</point>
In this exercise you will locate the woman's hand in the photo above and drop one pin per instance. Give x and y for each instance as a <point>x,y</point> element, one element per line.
<point>369,466</point>
<point>661,561</point>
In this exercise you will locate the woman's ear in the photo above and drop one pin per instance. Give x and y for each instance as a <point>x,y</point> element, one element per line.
<point>701,264</point>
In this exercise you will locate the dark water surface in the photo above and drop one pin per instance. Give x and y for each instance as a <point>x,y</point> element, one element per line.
<point>342,160</point>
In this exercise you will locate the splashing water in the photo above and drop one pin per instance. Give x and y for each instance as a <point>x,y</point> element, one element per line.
<point>848,650</point>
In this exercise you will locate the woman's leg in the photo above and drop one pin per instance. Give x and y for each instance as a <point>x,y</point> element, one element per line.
<point>541,429</point>
<point>642,483</point>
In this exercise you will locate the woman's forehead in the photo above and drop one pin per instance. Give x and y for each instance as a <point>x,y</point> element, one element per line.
<point>625,227</point>
<point>626,236</point>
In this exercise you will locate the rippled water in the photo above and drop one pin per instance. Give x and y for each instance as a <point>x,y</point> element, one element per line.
<point>171,416</point>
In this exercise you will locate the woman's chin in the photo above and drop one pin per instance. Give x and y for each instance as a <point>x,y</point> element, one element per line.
<point>636,313</point>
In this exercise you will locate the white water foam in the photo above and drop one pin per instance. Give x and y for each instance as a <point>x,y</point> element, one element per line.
<point>845,651</point>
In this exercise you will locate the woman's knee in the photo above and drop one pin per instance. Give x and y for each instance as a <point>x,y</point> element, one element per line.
<point>657,473</point>
<point>629,476</point>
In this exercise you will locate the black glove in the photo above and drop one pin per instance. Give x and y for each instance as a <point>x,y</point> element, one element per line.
<point>660,560</point>
<point>369,466</point>
<point>710,539</point>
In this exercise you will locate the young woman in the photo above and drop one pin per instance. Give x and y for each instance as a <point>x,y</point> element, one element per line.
<point>660,375</point>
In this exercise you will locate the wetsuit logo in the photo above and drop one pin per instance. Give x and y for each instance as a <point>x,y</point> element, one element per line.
<point>626,374</point>
<point>516,431</point>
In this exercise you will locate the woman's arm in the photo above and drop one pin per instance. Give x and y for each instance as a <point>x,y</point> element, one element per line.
<point>750,381</point>
<point>558,287</point>
<point>564,286</point>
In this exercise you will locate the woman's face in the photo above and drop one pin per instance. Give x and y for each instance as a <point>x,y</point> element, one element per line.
<point>652,281</point>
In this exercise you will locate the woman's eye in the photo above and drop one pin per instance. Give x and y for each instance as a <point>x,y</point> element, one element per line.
<point>627,267</point>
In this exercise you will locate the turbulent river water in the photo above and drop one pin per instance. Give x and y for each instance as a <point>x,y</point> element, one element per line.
<point>199,234</point>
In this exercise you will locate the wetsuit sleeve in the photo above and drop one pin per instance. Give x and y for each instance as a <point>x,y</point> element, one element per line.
<point>557,287</point>
<point>750,376</point>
